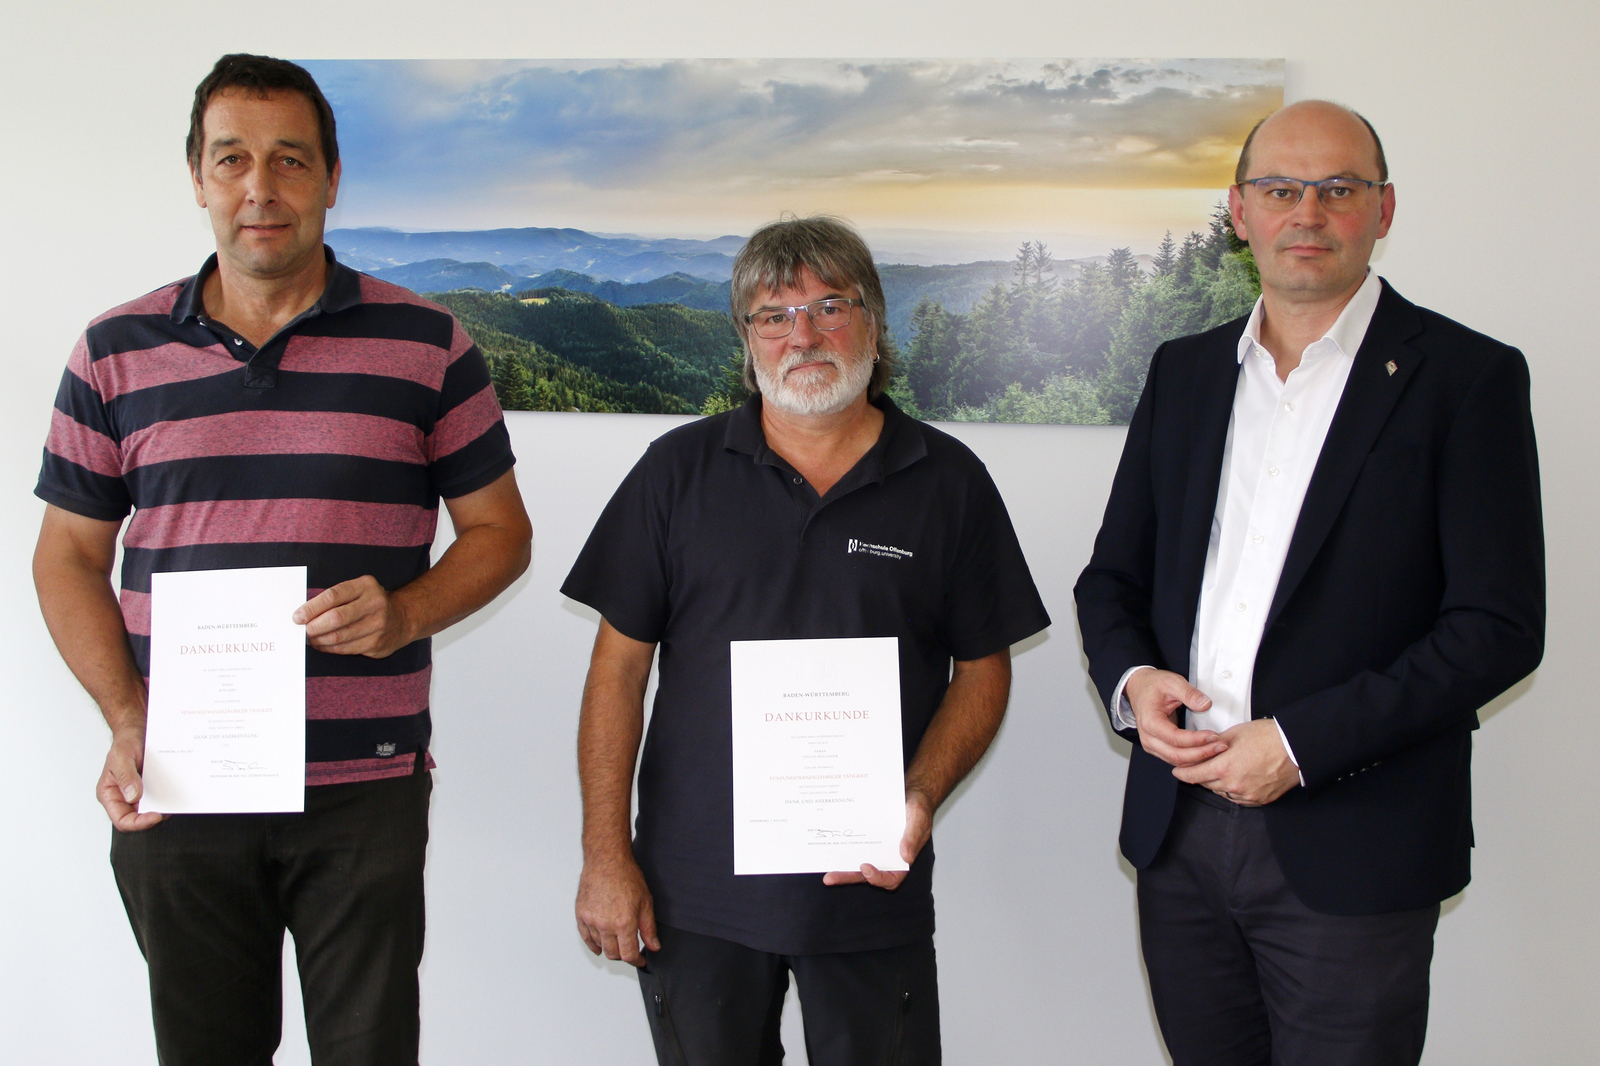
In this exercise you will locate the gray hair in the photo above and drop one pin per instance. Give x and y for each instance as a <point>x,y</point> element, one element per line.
<point>832,250</point>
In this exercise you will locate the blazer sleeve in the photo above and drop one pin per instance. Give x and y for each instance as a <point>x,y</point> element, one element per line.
<point>1113,594</point>
<point>1489,631</point>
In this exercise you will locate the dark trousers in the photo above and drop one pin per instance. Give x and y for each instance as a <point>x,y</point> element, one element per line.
<point>210,895</point>
<point>712,1002</point>
<point>1244,974</point>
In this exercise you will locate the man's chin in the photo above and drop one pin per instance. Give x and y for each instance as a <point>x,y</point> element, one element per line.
<point>1310,280</point>
<point>264,263</point>
<point>822,401</point>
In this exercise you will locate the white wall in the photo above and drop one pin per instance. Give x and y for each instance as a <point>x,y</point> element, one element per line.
<point>1489,114</point>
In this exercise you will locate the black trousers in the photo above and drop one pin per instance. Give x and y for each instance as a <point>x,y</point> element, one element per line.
<point>1244,974</point>
<point>712,1002</point>
<point>210,895</point>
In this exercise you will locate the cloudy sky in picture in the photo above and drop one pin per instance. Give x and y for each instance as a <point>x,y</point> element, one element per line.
<point>947,160</point>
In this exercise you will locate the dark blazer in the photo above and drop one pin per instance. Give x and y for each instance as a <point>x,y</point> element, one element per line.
<point>1412,594</point>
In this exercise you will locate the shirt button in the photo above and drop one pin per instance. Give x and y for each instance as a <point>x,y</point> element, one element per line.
<point>1258,538</point>
<point>1272,471</point>
<point>1227,675</point>
<point>1238,606</point>
<point>1288,407</point>
<point>799,480</point>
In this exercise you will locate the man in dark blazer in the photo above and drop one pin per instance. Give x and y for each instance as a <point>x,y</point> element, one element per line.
<point>1323,550</point>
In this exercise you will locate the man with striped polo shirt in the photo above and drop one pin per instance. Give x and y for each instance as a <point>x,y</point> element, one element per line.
<point>278,409</point>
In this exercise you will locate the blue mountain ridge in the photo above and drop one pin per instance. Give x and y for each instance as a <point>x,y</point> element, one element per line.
<point>631,271</point>
<point>536,250</point>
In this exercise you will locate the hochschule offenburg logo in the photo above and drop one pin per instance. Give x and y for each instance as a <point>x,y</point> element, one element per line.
<point>882,551</point>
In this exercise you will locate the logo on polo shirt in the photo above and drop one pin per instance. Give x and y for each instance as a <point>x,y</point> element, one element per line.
<point>386,750</point>
<point>883,551</point>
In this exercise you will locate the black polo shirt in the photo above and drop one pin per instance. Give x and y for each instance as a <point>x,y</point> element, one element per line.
<point>713,538</point>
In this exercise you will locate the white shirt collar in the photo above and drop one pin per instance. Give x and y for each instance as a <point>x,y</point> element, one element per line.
<point>1347,331</point>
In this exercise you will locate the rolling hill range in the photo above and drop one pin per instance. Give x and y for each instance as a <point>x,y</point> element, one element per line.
<point>957,287</point>
<point>659,357</point>
<point>535,250</point>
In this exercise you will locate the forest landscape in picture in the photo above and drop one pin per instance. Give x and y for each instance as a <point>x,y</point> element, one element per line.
<point>1040,226</point>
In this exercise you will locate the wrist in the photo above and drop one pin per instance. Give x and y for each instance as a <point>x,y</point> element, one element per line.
<point>406,618</point>
<point>608,852</point>
<point>1138,678</point>
<point>127,725</point>
<point>922,797</point>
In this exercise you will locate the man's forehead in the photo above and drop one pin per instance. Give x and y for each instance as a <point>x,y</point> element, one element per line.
<point>1329,139</point>
<point>807,287</point>
<point>234,111</point>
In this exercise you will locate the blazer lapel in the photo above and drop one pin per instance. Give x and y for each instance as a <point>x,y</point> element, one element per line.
<point>1213,410</point>
<point>1382,367</point>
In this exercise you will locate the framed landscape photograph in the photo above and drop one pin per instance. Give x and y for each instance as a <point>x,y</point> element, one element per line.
<point>1040,225</point>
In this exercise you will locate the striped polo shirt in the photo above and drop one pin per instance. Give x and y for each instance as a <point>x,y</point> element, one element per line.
<point>328,447</point>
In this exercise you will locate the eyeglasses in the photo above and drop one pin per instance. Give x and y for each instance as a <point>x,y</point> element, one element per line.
<point>770,323</point>
<point>1336,194</point>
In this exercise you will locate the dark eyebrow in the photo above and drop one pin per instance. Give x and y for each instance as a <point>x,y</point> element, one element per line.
<point>282,142</point>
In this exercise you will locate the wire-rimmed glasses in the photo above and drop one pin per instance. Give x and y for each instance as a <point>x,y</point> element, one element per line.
<point>1336,194</point>
<point>771,323</point>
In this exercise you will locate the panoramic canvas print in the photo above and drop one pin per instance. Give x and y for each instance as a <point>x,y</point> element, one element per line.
<point>1040,226</point>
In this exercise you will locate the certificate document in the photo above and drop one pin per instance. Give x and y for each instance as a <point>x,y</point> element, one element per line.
<point>226,731</point>
<point>818,774</point>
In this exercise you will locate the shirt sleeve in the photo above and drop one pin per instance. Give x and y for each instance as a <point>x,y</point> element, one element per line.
<point>992,602</point>
<point>1121,709</point>
<point>82,469</point>
<point>469,446</point>
<point>622,570</point>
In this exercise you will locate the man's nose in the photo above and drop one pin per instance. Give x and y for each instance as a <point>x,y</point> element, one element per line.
<point>805,333</point>
<point>1310,211</point>
<point>262,187</point>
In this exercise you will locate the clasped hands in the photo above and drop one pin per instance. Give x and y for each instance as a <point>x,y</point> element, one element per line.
<point>615,912</point>
<point>1246,764</point>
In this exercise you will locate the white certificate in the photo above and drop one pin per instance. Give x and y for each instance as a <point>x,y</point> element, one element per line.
<point>818,774</point>
<point>226,731</point>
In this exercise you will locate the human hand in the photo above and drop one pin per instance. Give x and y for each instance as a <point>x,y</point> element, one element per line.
<point>919,827</point>
<point>1157,696</point>
<point>357,617</point>
<point>1253,771</point>
<point>120,785</point>
<point>614,910</point>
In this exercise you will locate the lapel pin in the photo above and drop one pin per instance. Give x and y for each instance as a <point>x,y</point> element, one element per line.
<point>1391,366</point>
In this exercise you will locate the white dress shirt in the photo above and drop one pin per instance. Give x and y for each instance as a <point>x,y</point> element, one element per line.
<point>1275,436</point>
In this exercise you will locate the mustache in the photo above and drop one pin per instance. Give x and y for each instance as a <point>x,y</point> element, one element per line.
<point>814,355</point>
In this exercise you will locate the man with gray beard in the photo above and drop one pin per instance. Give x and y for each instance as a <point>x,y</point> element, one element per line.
<point>816,510</point>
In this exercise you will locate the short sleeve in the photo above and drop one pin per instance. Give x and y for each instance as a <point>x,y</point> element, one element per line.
<point>469,446</point>
<point>622,570</point>
<point>82,469</point>
<point>992,602</point>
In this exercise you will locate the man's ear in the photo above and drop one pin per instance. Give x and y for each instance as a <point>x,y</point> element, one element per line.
<point>199,186</point>
<point>333,182</point>
<point>1236,210</point>
<point>1386,211</point>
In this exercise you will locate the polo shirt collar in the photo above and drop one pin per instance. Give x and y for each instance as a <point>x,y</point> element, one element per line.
<point>342,291</point>
<point>898,445</point>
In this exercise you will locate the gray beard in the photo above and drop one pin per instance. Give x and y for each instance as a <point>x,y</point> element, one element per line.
<point>851,381</point>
